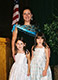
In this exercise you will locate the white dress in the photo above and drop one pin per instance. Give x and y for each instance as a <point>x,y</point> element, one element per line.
<point>38,65</point>
<point>19,68</point>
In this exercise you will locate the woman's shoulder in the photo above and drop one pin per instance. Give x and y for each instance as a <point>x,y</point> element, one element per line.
<point>15,26</point>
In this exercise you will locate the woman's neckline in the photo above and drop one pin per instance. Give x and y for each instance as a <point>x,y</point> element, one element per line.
<point>27,25</point>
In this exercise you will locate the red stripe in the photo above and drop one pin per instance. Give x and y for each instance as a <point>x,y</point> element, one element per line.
<point>17,9</point>
<point>17,16</point>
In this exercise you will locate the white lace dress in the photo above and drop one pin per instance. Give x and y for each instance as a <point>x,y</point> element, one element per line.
<point>19,68</point>
<point>38,65</point>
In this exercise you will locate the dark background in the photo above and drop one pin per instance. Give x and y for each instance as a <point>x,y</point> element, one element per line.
<point>42,11</point>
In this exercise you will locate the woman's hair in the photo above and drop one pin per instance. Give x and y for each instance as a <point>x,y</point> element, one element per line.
<point>27,8</point>
<point>21,39</point>
<point>40,34</point>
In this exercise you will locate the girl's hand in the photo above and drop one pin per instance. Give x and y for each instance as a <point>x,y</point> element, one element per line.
<point>28,73</point>
<point>44,72</point>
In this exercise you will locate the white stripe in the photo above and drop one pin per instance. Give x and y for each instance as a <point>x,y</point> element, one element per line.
<point>16,13</point>
<point>16,6</point>
<point>14,21</point>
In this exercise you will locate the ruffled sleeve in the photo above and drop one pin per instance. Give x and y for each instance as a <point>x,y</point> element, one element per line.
<point>13,29</point>
<point>15,25</point>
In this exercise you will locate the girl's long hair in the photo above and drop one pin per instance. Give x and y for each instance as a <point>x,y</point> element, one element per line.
<point>24,48</point>
<point>40,34</point>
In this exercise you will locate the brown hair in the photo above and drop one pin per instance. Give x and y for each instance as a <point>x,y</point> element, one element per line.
<point>43,37</point>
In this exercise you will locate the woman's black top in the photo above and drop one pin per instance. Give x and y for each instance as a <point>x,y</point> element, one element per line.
<point>28,32</point>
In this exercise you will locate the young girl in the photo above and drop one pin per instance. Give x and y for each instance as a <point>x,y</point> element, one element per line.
<point>40,69</point>
<point>20,70</point>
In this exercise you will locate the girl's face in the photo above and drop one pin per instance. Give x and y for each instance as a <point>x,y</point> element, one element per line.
<point>20,45</point>
<point>27,15</point>
<point>39,40</point>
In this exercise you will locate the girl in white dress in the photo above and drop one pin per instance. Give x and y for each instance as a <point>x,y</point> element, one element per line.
<point>40,69</point>
<point>20,70</point>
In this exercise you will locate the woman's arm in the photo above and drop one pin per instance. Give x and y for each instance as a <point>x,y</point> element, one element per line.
<point>47,62</point>
<point>14,36</point>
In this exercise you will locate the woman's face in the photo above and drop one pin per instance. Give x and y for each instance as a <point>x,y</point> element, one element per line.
<point>20,45</point>
<point>27,15</point>
<point>39,40</point>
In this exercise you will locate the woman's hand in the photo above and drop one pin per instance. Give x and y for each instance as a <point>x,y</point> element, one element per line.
<point>44,72</point>
<point>13,56</point>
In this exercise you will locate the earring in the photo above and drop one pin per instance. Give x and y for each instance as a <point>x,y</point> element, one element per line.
<point>31,18</point>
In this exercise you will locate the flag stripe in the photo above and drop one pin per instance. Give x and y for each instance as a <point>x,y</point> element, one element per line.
<point>16,14</point>
<point>15,21</point>
<point>16,10</point>
<point>16,6</point>
<point>15,17</point>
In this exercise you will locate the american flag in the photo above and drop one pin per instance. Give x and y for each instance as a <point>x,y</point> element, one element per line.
<point>16,14</point>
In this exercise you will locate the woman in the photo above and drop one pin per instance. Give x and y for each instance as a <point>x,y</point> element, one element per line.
<point>27,31</point>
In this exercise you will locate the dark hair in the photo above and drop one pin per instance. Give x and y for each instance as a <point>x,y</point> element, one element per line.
<point>22,39</point>
<point>27,8</point>
<point>42,36</point>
